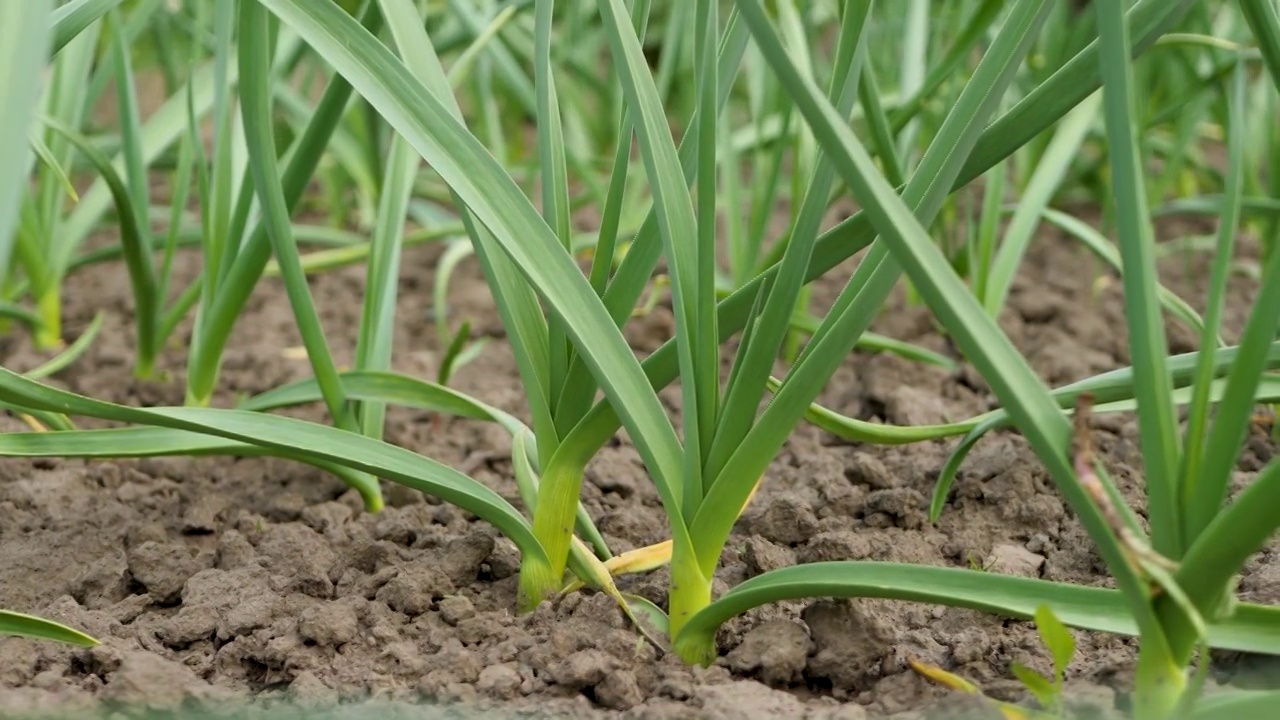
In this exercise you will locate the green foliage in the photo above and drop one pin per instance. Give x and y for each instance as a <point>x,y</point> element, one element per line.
<point>482,126</point>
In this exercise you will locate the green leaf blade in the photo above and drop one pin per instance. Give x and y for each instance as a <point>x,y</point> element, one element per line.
<point>1147,342</point>
<point>496,201</point>
<point>210,428</point>
<point>1056,637</point>
<point>22,625</point>
<point>989,349</point>
<point>679,232</point>
<point>24,41</point>
<point>1253,628</point>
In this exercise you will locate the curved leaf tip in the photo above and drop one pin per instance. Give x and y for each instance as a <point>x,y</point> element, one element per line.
<point>22,625</point>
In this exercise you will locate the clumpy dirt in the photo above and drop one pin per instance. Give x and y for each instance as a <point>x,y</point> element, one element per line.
<point>214,580</point>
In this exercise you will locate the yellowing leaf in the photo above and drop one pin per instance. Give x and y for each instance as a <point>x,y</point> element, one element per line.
<point>1013,712</point>
<point>944,678</point>
<point>955,682</point>
<point>600,578</point>
<point>641,559</point>
<point>633,561</point>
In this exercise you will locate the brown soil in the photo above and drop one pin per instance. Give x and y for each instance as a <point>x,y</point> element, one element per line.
<point>213,580</point>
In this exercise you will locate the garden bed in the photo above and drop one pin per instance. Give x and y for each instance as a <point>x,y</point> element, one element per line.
<point>211,581</point>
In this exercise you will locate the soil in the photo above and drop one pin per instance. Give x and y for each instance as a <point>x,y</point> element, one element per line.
<point>212,581</point>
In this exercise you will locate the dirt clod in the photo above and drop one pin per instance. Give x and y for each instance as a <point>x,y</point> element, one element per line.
<point>762,556</point>
<point>158,683</point>
<point>463,557</point>
<point>307,690</point>
<point>866,469</point>
<point>583,669</point>
<point>300,556</point>
<point>234,551</point>
<point>775,652</point>
<point>1014,560</point>
<point>619,691</point>
<point>500,681</point>
<point>906,506</point>
<point>728,701</point>
<point>849,642</point>
<point>504,561</point>
<point>415,589</point>
<point>455,609</point>
<point>163,568</point>
<point>330,624</point>
<point>787,521</point>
